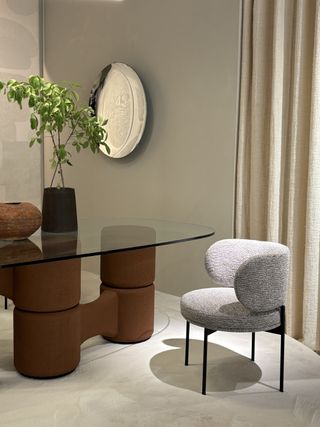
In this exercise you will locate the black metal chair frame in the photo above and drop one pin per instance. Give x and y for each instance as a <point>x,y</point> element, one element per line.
<point>279,331</point>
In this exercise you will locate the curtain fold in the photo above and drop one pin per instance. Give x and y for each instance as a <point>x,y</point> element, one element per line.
<point>278,159</point>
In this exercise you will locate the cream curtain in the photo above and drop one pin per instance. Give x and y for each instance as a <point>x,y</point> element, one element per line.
<point>278,160</point>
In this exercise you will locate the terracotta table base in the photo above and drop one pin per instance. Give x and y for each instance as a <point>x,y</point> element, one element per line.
<point>130,274</point>
<point>49,322</point>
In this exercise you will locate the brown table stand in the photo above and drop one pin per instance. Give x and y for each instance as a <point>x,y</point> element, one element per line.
<point>50,324</point>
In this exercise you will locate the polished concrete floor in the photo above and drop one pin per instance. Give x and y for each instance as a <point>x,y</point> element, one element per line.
<point>147,384</point>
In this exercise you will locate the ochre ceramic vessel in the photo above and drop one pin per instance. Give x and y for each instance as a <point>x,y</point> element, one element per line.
<point>18,220</point>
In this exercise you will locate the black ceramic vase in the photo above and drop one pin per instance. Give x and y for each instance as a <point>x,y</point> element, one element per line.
<point>59,212</point>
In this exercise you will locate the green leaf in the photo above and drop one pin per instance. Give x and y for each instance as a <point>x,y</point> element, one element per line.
<point>35,82</point>
<point>31,102</point>
<point>105,146</point>
<point>33,140</point>
<point>33,121</point>
<point>61,153</point>
<point>10,96</point>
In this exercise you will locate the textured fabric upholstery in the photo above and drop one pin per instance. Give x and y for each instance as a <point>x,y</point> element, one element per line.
<point>260,283</point>
<point>224,257</point>
<point>258,272</point>
<point>218,309</point>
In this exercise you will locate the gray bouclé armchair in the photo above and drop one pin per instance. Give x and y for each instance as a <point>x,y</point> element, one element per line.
<point>253,276</point>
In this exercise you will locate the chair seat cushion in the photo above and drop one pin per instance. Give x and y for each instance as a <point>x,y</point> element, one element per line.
<point>219,309</point>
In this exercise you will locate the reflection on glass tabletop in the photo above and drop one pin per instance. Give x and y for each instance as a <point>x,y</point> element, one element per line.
<point>96,237</point>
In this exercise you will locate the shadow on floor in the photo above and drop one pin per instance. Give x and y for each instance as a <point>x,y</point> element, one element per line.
<point>227,370</point>
<point>6,355</point>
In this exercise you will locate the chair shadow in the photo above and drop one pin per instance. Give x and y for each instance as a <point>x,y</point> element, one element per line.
<point>227,370</point>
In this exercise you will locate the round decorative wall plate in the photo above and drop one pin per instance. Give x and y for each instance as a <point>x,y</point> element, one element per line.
<point>118,96</point>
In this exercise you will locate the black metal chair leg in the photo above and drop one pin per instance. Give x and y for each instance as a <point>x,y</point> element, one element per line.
<point>282,344</point>
<point>253,341</point>
<point>5,303</point>
<point>204,366</point>
<point>186,358</point>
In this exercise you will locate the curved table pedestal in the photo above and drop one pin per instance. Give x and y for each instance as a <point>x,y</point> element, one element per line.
<point>49,322</point>
<point>130,274</point>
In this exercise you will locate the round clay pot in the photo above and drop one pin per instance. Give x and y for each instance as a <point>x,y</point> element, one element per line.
<point>18,220</point>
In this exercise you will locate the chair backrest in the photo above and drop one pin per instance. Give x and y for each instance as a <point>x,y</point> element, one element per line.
<point>257,270</point>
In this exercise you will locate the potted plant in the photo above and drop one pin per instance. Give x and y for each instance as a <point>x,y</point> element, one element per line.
<point>56,116</point>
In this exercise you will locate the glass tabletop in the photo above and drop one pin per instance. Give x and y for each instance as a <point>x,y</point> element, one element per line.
<point>96,237</point>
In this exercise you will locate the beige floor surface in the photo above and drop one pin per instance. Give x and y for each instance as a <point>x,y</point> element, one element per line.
<point>147,384</point>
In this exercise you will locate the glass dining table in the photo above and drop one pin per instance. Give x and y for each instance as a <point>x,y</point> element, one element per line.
<point>42,276</point>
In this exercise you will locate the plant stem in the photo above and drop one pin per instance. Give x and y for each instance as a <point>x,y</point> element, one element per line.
<point>54,142</point>
<point>54,174</point>
<point>56,152</point>
<point>72,132</point>
<point>61,174</point>
<point>59,162</point>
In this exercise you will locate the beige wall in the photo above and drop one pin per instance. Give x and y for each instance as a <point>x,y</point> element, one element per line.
<point>20,166</point>
<point>186,53</point>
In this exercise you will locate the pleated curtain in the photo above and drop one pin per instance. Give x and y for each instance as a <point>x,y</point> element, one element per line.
<point>278,157</point>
